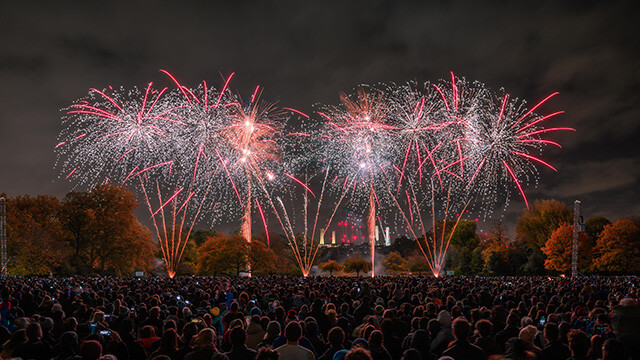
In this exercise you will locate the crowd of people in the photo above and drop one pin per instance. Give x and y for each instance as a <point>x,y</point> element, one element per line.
<point>320,318</point>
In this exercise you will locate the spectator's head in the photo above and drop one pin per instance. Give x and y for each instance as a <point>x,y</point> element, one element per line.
<point>366,331</point>
<point>311,330</point>
<point>147,331</point>
<point>237,337</point>
<point>595,351</point>
<point>154,313</point>
<point>614,349</point>
<point>578,343</point>
<point>551,332</point>
<point>234,307</point>
<point>273,329</point>
<point>461,328</point>
<point>411,354</point>
<point>293,332</point>
<point>528,333</point>
<point>484,327</point>
<point>189,330</point>
<point>434,327</point>
<point>444,318</point>
<point>376,338</point>
<point>513,320</point>
<point>336,337</point>
<point>46,323</point>
<point>169,340</point>
<point>339,355</point>
<point>358,354</point>
<point>332,315</point>
<point>360,343</point>
<point>516,348</point>
<point>70,324</point>
<point>267,353</point>
<point>69,344</point>
<point>34,331</point>
<point>90,350</point>
<point>205,338</point>
<point>18,338</point>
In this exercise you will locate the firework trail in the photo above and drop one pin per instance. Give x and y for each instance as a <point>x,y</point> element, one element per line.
<point>136,138</point>
<point>359,145</point>
<point>477,146</point>
<point>192,150</point>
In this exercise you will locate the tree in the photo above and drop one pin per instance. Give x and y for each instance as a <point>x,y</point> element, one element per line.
<point>263,260</point>
<point>404,245</point>
<point>103,233</point>
<point>34,235</point>
<point>356,265</point>
<point>417,263</point>
<point>189,261</point>
<point>558,250</point>
<point>116,241</point>
<point>465,235</point>
<point>200,236</point>
<point>394,263</point>
<point>494,242</point>
<point>476,265</point>
<point>464,239</point>
<point>618,247</point>
<point>536,224</point>
<point>331,266</point>
<point>501,256</point>
<point>222,253</point>
<point>75,216</point>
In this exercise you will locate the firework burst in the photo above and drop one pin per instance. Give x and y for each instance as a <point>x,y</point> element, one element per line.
<point>114,135</point>
<point>192,150</point>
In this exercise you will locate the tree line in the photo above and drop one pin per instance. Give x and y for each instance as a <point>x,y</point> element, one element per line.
<point>96,232</point>
<point>85,232</point>
<point>542,245</point>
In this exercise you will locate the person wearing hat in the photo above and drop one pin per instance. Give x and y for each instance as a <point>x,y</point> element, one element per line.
<point>340,355</point>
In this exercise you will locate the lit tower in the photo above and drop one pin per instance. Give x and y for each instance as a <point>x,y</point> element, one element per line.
<point>578,227</point>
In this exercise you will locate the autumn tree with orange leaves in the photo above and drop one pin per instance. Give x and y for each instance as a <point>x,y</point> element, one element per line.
<point>618,247</point>
<point>558,250</point>
<point>87,232</point>
<point>34,235</point>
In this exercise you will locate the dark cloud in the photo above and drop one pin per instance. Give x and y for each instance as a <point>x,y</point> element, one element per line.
<point>305,52</point>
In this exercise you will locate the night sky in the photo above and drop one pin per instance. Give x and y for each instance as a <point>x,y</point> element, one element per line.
<point>306,52</point>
